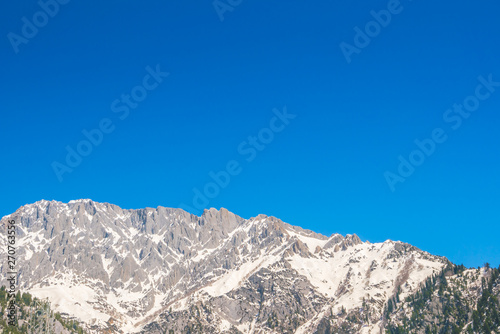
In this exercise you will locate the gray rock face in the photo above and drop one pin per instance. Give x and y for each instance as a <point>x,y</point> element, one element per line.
<point>160,269</point>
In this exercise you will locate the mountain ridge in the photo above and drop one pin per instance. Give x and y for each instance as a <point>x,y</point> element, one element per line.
<point>261,215</point>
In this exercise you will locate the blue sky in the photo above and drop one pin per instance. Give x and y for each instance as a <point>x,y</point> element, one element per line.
<point>93,65</point>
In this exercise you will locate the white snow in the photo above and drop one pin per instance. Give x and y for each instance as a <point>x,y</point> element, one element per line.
<point>74,300</point>
<point>234,278</point>
<point>311,242</point>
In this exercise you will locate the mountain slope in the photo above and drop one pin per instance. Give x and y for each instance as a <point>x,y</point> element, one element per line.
<point>458,300</point>
<point>32,316</point>
<point>160,269</point>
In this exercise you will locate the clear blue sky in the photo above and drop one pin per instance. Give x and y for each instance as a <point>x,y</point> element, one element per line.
<point>324,170</point>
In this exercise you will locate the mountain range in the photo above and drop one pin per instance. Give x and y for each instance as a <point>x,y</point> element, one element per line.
<point>164,270</point>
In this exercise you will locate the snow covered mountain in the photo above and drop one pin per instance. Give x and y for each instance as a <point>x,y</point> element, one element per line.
<point>164,270</point>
